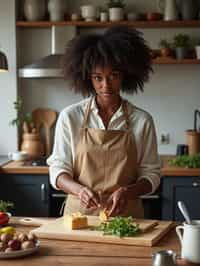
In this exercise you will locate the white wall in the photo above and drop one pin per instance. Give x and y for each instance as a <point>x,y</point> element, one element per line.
<point>171,95</point>
<point>8,87</point>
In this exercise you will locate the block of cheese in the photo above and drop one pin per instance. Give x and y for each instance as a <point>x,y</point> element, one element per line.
<point>103,216</point>
<point>76,221</point>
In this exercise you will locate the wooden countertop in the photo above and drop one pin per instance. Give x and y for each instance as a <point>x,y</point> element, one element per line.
<point>59,252</point>
<point>19,167</point>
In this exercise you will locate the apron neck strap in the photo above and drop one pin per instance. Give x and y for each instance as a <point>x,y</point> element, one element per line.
<point>125,113</point>
<point>86,115</point>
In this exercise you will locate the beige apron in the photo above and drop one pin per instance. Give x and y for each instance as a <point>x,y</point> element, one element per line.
<point>104,161</point>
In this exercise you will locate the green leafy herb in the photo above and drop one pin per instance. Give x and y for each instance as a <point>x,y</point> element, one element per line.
<point>189,161</point>
<point>5,205</point>
<point>120,226</point>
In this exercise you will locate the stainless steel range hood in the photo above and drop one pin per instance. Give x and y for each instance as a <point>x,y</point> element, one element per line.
<point>50,66</point>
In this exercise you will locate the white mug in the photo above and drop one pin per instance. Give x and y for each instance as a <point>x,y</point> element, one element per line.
<point>189,236</point>
<point>18,155</point>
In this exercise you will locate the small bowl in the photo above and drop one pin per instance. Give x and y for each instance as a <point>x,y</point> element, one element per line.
<point>132,16</point>
<point>153,16</point>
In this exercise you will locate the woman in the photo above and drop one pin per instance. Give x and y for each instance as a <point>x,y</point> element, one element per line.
<point>105,151</point>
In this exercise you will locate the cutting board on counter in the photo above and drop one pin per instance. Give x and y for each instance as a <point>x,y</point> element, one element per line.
<point>152,231</point>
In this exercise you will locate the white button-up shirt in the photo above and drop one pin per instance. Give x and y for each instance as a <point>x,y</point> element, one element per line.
<point>67,136</point>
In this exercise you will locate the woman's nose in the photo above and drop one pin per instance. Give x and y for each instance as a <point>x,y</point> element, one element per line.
<point>106,82</point>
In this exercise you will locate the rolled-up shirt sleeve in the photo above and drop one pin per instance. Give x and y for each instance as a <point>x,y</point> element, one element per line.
<point>149,163</point>
<point>60,160</point>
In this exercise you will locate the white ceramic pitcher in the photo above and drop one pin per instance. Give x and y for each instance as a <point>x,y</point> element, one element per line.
<point>189,236</point>
<point>169,8</point>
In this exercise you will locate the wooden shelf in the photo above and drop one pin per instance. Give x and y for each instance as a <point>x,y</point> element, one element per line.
<point>173,61</point>
<point>136,24</point>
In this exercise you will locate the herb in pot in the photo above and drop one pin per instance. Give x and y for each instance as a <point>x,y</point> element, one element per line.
<point>120,226</point>
<point>5,205</point>
<point>189,161</point>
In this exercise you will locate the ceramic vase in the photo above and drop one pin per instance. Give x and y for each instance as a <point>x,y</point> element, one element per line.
<point>32,145</point>
<point>169,8</point>
<point>56,9</point>
<point>116,14</point>
<point>34,10</point>
<point>188,9</point>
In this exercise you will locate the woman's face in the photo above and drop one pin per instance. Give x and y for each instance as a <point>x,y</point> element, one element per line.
<point>106,82</point>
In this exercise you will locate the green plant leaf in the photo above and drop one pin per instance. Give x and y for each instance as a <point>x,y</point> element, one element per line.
<point>5,205</point>
<point>120,226</point>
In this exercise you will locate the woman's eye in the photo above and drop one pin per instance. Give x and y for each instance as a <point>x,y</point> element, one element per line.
<point>97,78</point>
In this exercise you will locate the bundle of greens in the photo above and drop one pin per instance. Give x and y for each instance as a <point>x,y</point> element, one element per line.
<point>189,161</point>
<point>5,205</point>
<point>120,226</point>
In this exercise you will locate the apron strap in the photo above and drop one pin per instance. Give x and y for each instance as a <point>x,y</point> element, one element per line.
<point>125,111</point>
<point>86,115</point>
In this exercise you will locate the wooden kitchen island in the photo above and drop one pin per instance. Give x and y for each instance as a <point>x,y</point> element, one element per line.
<point>57,252</point>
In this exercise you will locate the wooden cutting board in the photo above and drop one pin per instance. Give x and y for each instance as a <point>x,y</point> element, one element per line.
<point>152,232</point>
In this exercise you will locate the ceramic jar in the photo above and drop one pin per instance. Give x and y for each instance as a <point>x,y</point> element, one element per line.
<point>169,8</point>
<point>189,236</point>
<point>188,9</point>
<point>56,9</point>
<point>34,10</point>
<point>32,144</point>
<point>103,16</point>
<point>116,14</point>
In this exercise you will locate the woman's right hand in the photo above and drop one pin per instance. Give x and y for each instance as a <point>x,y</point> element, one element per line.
<point>88,198</point>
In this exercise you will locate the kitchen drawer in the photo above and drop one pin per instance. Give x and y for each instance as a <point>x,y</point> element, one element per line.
<point>29,193</point>
<point>174,189</point>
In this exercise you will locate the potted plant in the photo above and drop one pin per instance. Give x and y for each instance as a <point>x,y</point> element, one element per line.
<point>181,44</point>
<point>116,10</point>
<point>165,47</point>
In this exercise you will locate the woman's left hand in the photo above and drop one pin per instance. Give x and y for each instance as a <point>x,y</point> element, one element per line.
<point>116,202</point>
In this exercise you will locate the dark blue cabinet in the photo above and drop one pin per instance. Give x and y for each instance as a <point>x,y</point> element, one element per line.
<point>184,188</point>
<point>30,193</point>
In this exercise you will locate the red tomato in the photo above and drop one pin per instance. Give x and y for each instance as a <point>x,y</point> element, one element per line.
<point>4,218</point>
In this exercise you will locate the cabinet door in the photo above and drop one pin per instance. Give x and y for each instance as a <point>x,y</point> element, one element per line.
<point>186,189</point>
<point>30,194</point>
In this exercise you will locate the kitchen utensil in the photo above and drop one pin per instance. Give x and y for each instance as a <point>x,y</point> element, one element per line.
<point>45,118</point>
<point>57,230</point>
<point>189,236</point>
<point>193,141</point>
<point>32,145</point>
<point>196,114</point>
<point>25,127</point>
<point>164,258</point>
<point>184,211</point>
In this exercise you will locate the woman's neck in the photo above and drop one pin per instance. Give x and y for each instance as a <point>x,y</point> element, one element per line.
<point>108,106</point>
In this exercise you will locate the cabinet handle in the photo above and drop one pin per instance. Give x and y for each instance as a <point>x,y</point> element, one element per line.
<point>58,195</point>
<point>195,184</point>
<point>43,192</point>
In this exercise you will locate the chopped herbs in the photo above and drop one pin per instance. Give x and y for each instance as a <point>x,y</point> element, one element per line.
<point>189,161</point>
<point>120,226</point>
